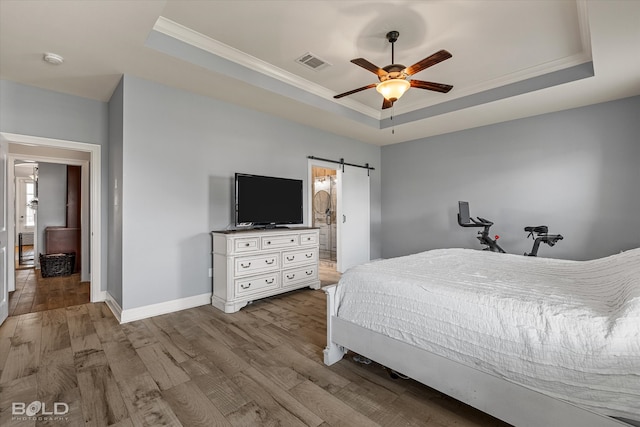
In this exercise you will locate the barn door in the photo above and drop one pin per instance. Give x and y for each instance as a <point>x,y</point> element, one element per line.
<point>353,217</point>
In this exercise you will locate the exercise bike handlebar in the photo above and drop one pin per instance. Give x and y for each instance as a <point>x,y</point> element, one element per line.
<point>481,222</point>
<point>542,237</point>
<point>550,239</point>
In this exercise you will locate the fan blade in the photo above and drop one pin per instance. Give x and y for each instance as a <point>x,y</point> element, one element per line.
<point>427,62</point>
<point>386,103</point>
<point>437,87</point>
<point>351,92</point>
<point>369,66</point>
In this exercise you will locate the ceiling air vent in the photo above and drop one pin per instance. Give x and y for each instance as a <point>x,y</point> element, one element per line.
<point>312,61</point>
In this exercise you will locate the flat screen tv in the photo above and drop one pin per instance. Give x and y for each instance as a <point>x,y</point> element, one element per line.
<point>267,201</point>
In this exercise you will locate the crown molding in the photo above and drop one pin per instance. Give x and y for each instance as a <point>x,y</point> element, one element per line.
<point>214,47</point>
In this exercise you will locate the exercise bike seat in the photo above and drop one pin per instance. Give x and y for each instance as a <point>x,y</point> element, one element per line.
<point>540,229</point>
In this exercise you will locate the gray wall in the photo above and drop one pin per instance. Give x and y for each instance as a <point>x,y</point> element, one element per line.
<point>32,111</point>
<point>52,199</point>
<point>174,154</point>
<point>179,154</point>
<point>576,171</point>
<point>168,160</point>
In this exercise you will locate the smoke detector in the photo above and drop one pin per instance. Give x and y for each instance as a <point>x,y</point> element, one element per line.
<point>53,58</point>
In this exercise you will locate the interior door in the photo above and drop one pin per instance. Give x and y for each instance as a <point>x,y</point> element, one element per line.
<point>4,295</point>
<point>353,217</point>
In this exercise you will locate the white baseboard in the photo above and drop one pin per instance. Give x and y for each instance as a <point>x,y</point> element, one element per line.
<point>138,313</point>
<point>113,306</point>
<point>102,296</point>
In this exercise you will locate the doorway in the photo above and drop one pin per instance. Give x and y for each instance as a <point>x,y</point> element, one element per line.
<point>26,205</point>
<point>344,207</point>
<point>324,204</point>
<point>47,219</point>
<point>69,152</point>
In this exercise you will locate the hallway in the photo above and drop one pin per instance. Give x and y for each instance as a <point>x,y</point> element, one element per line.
<point>34,293</point>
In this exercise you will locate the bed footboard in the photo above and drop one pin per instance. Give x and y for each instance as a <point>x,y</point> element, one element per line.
<point>332,352</point>
<point>496,396</point>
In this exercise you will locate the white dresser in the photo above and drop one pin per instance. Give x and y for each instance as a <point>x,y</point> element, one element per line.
<point>253,264</point>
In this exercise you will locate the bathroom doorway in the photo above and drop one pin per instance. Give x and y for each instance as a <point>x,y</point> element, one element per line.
<point>338,205</point>
<point>324,206</point>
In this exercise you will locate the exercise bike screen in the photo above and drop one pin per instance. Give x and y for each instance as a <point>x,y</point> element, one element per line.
<point>463,209</point>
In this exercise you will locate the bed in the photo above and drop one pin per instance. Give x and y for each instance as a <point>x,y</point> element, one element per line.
<point>531,341</point>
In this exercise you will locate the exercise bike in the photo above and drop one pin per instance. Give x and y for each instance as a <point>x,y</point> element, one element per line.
<point>539,233</point>
<point>465,220</point>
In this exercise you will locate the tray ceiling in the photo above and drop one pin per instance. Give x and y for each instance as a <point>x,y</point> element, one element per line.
<point>510,59</point>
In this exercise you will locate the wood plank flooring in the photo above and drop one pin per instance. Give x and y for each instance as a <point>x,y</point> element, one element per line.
<point>328,273</point>
<point>261,366</point>
<point>35,293</point>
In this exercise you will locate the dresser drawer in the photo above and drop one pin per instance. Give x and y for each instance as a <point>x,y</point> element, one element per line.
<point>255,264</point>
<point>248,244</point>
<point>298,275</point>
<point>285,241</point>
<point>257,284</point>
<point>292,258</point>
<point>309,239</point>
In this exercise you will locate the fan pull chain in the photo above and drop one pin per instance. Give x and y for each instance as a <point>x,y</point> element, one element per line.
<point>393,125</point>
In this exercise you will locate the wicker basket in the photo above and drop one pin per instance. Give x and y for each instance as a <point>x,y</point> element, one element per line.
<point>54,265</point>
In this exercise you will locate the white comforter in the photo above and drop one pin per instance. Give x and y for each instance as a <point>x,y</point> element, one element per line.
<point>570,329</point>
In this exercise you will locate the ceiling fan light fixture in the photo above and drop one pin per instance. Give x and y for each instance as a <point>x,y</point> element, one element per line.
<point>393,89</point>
<point>394,78</point>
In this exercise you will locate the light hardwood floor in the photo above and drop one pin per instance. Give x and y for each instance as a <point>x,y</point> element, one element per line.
<point>35,293</point>
<point>328,273</point>
<point>261,366</point>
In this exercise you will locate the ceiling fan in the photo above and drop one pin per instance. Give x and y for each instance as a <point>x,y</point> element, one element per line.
<point>393,78</point>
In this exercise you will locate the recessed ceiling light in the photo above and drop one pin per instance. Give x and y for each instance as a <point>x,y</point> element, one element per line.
<point>53,58</point>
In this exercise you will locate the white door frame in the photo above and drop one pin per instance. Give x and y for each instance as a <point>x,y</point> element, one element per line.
<point>91,170</point>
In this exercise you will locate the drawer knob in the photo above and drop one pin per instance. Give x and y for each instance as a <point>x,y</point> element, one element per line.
<point>270,261</point>
<point>309,273</point>
<point>243,286</point>
<point>292,240</point>
<point>246,245</point>
<point>268,282</point>
<point>268,242</point>
<point>291,258</point>
<point>309,255</point>
<point>290,276</point>
<point>245,266</point>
